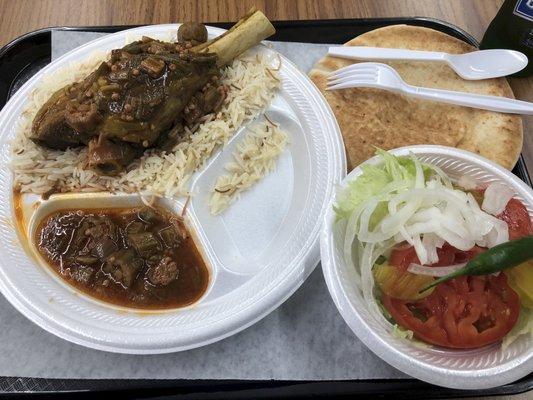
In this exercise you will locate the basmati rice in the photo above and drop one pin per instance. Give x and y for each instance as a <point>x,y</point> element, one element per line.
<point>255,156</point>
<point>39,170</point>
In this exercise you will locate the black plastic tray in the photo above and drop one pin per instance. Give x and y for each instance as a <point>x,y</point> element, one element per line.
<point>27,54</point>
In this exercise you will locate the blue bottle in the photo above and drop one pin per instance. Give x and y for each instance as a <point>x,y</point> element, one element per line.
<point>512,28</point>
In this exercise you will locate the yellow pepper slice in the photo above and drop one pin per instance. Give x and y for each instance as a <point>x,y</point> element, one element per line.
<point>521,280</point>
<point>401,284</point>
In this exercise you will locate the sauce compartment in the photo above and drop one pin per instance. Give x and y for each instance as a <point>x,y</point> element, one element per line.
<point>105,248</point>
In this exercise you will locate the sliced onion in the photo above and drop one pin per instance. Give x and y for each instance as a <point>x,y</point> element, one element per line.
<point>425,215</point>
<point>419,178</point>
<point>467,182</point>
<point>392,222</point>
<point>429,241</point>
<point>433,271</point>
<point>498,235</point>
<point>435,208</point>
<point>422,227</point>
<point>496,198</point>
<point>403,234</point>
<point>420,249</point>
<point>452,219</point>
<point>461,243</point>
<point>441,175</point>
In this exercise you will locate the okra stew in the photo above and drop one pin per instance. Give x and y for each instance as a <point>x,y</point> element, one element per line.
<point>133,257</point>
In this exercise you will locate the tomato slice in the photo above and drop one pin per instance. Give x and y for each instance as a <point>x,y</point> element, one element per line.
<point>466,312</point>
<point>461,256</point>
<point>517,218</point>
<point>463,313</point>
<point>405,254</point>
<point>515,214</point>
<point>402,256</point>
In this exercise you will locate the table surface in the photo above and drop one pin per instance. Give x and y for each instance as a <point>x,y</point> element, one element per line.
<point>21,16</point>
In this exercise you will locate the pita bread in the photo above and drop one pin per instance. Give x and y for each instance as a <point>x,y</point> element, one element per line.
<point>373,117</point>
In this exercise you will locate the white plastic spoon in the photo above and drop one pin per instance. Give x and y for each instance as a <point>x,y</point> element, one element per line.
<point>481,64</point>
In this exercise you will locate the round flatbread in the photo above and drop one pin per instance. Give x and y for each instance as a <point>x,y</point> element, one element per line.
<point>371,118</point>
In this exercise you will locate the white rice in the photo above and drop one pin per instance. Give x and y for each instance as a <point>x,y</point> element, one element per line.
<point>255,156</point>
<point>38,170</point>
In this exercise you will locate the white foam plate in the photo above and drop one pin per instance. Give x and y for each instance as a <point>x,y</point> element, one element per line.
<point>259,251</point>
<point>462,369</point>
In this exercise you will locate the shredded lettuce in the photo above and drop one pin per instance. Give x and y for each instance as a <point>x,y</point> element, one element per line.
<point>524,326</point>
<point>402,333</point>
<point>407,334</point>
<point>382,308</point>
<point>373,180</point>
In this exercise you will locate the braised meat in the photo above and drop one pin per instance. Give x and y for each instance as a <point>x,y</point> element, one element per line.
<point>144,95</point>
<point>127,104</point>
<point>109,157</point>
<point>52,128</point>
<point>164,272</point>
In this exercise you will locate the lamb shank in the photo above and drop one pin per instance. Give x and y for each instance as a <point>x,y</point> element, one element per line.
<point>145,94</point>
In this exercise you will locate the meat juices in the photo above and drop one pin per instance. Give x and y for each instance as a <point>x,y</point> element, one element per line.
<point>133,257</point>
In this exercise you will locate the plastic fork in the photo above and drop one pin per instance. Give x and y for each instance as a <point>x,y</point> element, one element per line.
<point>382,76</point>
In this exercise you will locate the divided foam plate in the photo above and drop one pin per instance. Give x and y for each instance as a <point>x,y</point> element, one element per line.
<point>260,250</point>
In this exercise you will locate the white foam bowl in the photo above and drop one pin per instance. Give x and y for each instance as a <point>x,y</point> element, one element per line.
<point>462,369</point>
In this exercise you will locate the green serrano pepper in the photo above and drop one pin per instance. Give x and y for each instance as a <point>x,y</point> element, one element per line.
<point>498,258</point>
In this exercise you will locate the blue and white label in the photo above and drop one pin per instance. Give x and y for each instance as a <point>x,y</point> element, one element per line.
<point>524,9</point>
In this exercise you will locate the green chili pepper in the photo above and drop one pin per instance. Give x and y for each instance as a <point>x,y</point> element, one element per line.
<point>381,259</point>
<point>498,258</point>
